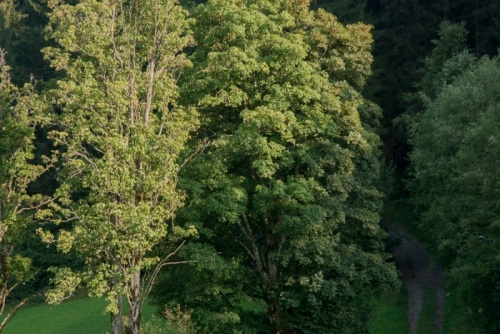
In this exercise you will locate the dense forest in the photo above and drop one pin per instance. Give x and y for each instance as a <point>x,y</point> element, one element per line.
<point>240,162</point>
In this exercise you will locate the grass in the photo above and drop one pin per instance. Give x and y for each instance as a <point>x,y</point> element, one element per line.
<point>82,316</point>
<point>389,313</point>
<point>426,319</point>
<point>86,316</point>
<point>390,317</point>
<point>457,318</point>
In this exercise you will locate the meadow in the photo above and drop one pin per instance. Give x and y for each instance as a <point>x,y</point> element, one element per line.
<point>80,316</point>
<point>86,316</point>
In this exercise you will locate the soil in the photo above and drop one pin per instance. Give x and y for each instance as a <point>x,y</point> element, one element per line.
<point>419,271</point>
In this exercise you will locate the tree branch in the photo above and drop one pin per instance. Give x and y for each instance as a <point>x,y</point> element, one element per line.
<point>149,284</point>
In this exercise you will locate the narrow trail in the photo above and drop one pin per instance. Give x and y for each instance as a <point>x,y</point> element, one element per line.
<point>419,272</point>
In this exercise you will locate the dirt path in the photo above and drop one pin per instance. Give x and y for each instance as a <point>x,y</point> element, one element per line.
<point>419,272</point>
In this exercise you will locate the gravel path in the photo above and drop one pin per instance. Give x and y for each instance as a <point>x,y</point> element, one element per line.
<point>419,271</point>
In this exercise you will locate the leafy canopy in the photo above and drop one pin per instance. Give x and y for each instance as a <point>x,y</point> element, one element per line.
<point>455,184</point>
<point>287,189</point>
<point>115,115</point>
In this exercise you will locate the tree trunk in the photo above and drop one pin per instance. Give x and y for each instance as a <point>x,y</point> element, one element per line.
<point>134,317</point>
<point>116,319</point>
<point>274,315</point>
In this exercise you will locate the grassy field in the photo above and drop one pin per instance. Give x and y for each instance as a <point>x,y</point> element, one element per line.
<point>82,316</point>
<point>86,316</point>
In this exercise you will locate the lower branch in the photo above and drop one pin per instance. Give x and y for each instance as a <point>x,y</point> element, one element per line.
<point>12,313</point>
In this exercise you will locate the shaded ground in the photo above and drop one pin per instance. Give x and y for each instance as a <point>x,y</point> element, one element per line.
<point>419,272</point>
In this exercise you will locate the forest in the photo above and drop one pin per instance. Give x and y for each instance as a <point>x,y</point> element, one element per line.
<point>243,164</point>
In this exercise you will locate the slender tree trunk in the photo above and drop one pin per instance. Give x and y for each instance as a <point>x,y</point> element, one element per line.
<point>134,318</point>
<point>274,315</point>
<point>149,94</point>
<point>116,319</point>
<point>274,308</point>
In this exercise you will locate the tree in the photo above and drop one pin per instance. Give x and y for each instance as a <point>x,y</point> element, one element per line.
<point>347,11</point>
<point>9,24</point>
<point>18,108</point>
<point>115,117</point>
<point>216,295</point>
<point>403,34</point>
<point>21,25</point>
<point>449,59</point>
<point>481,18</point>
<point>455,182</point>
<point>289,180</point>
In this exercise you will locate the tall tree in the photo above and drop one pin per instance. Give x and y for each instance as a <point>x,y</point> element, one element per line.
<point>18,108</point>
<point>455,183</point>
<point>449,59</point>
<point>403,34</point>
<point>289,187</point>
<point>437,72</point>
<point>114,113</point>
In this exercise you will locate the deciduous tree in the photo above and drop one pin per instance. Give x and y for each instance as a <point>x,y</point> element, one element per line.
<point>18,108</point>
<point>288,185</point>
<point>455,161</point>
<point>115,115</point>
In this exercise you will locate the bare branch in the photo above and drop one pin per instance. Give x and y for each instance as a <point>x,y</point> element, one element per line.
<point>113,39</point>
<point>156,271</point>
<point>35,207</point>
<point>247,231</point>
<point>246,248</point>
<point>197,152</point>
<point>12,312</point>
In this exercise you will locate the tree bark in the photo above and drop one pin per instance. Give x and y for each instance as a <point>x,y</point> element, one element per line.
<point>134,317</point>
<point>116,319</point>
<point>274,315</point>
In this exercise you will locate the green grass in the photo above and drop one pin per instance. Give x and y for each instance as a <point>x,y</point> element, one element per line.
<point>86,316</point>
<point>426,319</point>
<point>390,317</point>
<point>389,313</point>
<point>82,316</point>
<point>457,318</point>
